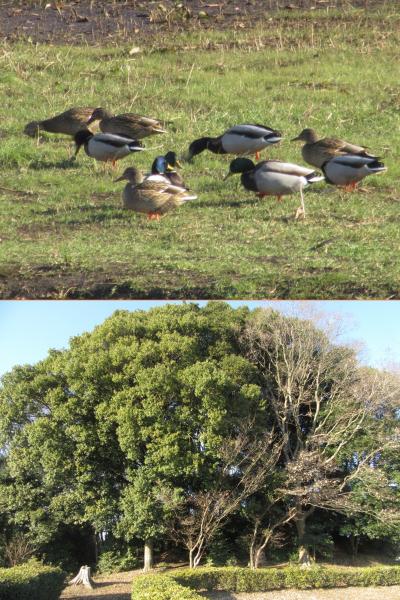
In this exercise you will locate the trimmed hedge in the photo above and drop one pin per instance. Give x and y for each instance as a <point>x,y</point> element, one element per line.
<point>237,579</point>
<point>161,587</point>
<point>179,585</point>
<point>32,581</point>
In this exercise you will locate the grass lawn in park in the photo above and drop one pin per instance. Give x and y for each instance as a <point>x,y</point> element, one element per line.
<point>64,234</point>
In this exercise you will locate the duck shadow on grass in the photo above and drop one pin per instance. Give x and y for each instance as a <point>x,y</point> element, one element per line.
<point>224,203</point>
<point>66,163</point>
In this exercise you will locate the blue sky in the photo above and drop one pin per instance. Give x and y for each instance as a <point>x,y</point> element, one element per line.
<point>29,329</point>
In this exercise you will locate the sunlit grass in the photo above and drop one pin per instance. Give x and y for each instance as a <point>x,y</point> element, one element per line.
<point>63,231</point>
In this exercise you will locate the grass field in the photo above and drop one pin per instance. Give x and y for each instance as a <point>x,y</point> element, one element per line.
<point>64,234</point>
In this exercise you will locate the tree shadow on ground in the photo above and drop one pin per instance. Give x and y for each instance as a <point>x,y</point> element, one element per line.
<point>94,596</point>
<point>218,595</point>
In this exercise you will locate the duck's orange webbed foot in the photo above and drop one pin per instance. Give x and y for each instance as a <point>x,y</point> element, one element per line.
<point>258,156</point>
<point>152,216</point>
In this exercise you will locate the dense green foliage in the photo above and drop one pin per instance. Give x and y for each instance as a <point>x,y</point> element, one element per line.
<point>161,587</point>
<point>31,581</point>
<point>64,233</point>
<point>121,437</point>
<point>114,561</point>
<point>174,586</point>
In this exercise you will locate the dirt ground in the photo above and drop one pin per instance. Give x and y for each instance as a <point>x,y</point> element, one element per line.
<point>353,593</point>
<point>85,21</point>
<point>117,586</point>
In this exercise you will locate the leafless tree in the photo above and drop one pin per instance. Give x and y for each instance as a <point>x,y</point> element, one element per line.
<point>244,466</point>
<point>267,530</point>
<point>18,550</point>
<point>320,401</point>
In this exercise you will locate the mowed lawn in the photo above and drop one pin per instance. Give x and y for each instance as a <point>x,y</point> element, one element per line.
<point>64,234</point>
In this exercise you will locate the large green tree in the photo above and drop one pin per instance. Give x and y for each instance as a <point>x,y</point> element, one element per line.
<point>93,433</point>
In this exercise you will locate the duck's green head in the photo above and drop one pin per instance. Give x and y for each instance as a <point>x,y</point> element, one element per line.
<point>81,137</point>
<point>32,128</point>
<point>159,166</point>
<point>172,160</point>
<point>240,165</point>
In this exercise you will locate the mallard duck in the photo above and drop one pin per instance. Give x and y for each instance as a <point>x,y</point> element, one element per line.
<point>347,170</point>
<point>69,122</point>
<point>240,139</point>
<point>316,152</point>
<point>105,146</point>
<point>274,178</point>
<point>129,124</point>
<point>164,166</point>
<point>154,198</point>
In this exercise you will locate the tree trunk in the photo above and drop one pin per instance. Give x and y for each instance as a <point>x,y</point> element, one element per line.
<point>356,544</point>
<point>304,558</point>
<point>304,555</point>
<point>252,546</point>
<point>148,555</point>
<point>83,578</point>
<point>197,559</point>
<point>354,541</point>
<point>251,564</point>
<point>95,547</point>
<point>257,556</point>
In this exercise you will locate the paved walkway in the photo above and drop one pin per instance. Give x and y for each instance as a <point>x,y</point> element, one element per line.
<point>352,593</point>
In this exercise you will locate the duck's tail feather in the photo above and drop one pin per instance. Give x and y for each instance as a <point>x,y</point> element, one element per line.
<point>314,178</point>
<point>376,167</point>
<point>187,198</point>
<point>135,146</point>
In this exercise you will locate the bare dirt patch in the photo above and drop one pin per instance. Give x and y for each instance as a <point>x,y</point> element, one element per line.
<point>117,586</point>
<point>62,282</point>
<point>84,21</point>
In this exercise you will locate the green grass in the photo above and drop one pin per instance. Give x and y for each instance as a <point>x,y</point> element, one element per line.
<point>62,229</point>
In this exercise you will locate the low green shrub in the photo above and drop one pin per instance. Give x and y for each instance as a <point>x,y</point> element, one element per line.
<point>261,580</point>
<point>161,587</point>
<point>180,585</point>
<point>31,581</point>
